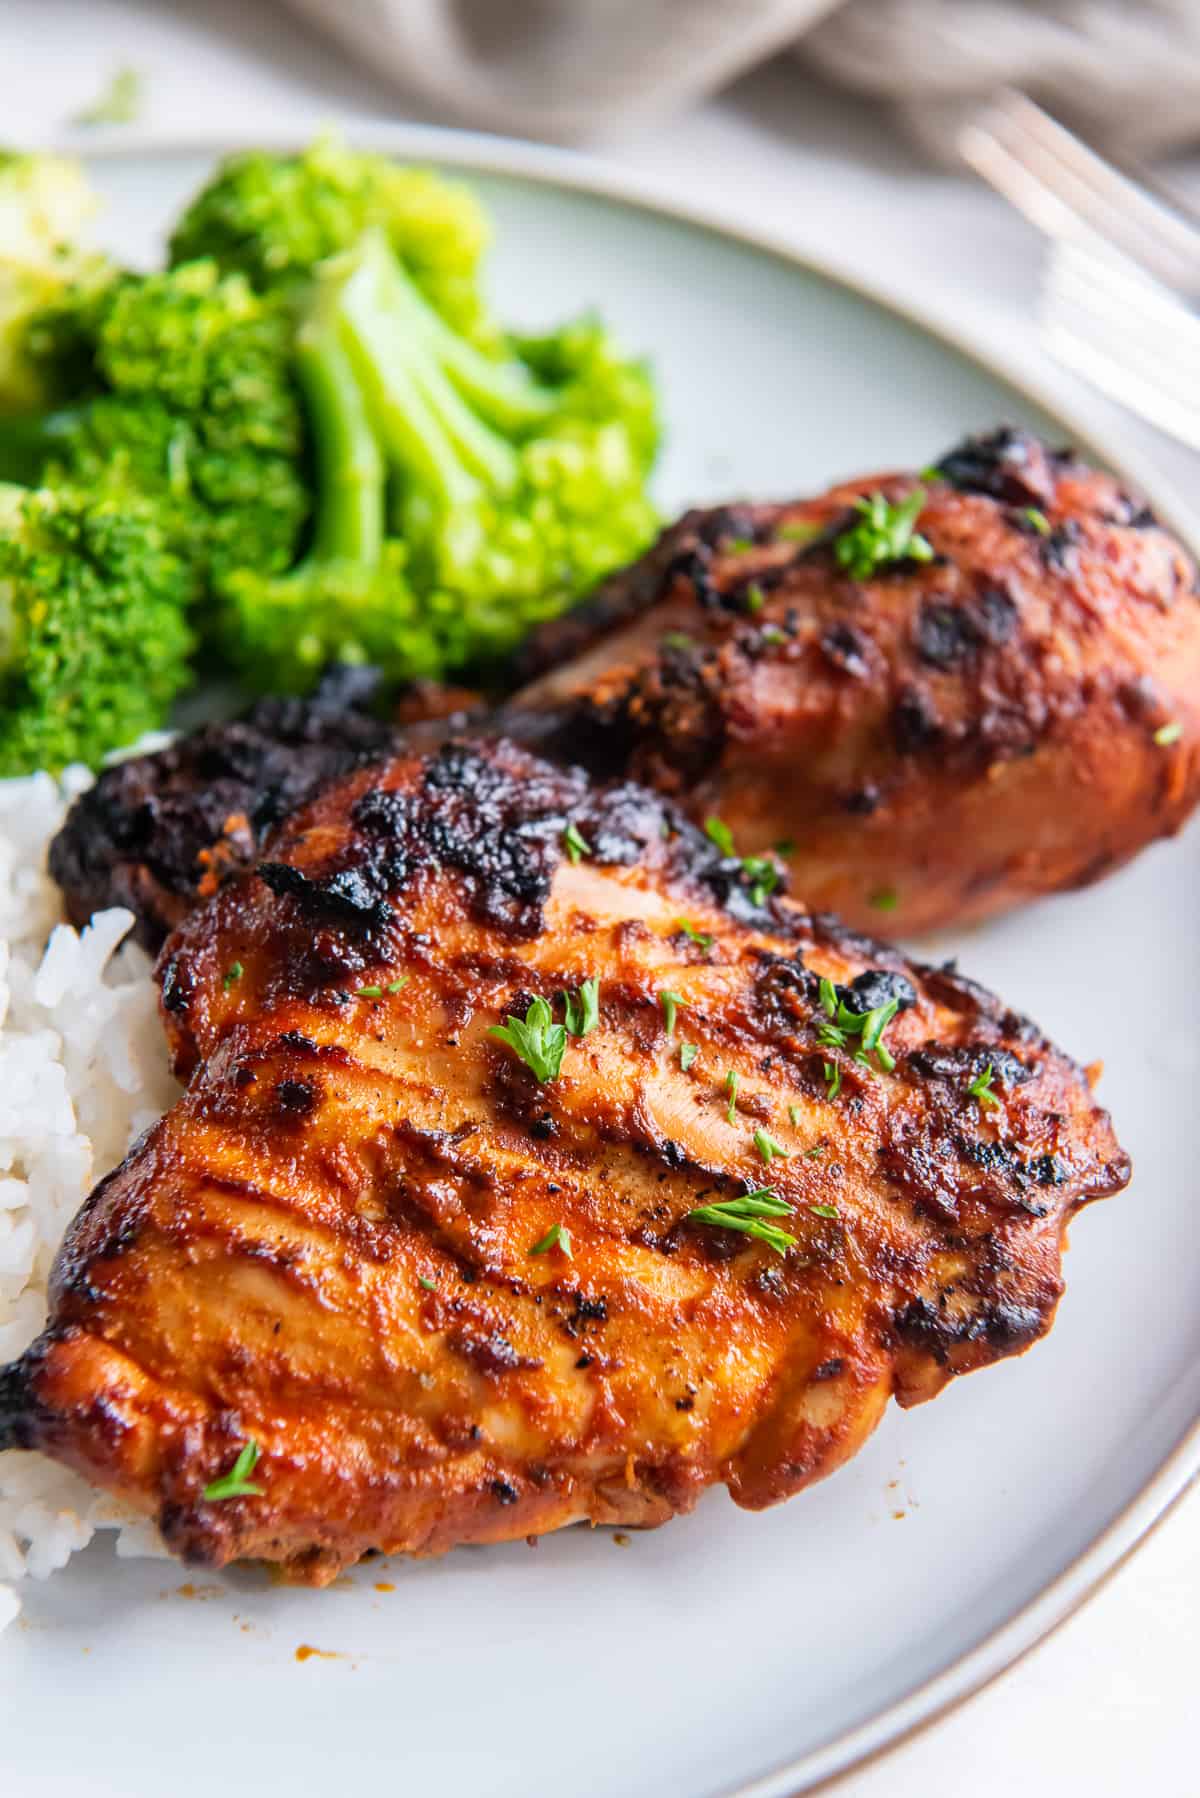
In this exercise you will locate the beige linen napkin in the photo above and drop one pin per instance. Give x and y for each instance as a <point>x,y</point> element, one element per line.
<point>1127,71</point>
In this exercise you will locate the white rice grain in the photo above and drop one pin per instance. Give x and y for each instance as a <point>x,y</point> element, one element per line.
<point>83,1070</point>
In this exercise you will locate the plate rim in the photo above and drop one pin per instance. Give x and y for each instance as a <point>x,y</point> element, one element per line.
<point>553,166</point>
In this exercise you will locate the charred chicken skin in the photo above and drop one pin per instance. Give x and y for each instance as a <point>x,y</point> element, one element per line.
<point>1007,707</point>
<point>384,1278</point>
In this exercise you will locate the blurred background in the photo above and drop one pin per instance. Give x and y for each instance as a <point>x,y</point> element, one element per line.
<point>855,130</point>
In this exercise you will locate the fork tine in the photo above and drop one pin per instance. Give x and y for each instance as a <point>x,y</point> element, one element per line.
<point>1062,185</point>
<point>1126,335</point>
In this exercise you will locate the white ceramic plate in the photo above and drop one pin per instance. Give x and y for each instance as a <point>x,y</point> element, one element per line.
<point>727,1652</point>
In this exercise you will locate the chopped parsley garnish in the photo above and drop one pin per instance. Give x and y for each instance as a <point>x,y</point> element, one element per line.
<point>670,1003</point>
<point>760,871</point>
<point>429,1285</point>
<point>739,546</point>
<point>794,1116</point>
<point>702,938</point>
<point>756,599</point>
<point>687,1055</point>
<point>833,1079</point>
<point>980,1089</point>
<point>762,875</point>
<point>1038,520</point>
<point>823,1210</point>
<point>119,102</point>
<point>774,634</point>
<point>397,986</point>
<point>237,1482</point>
<point>536,1040</point>
<point>767,1146</point>
<point>885,899</point>
<point>883,533</point>
<point>582,1008</point>
<point>732,1082</point>
<point>718,832</point>
<point>799,530</point>
<point>677,640</point>
<point>1168,733</point>
<point>747,1214</point>
<point>556,1237</point>
<point>575,844</point>
<point>370,992</point>
<point>232,975</point>
<point>840,1024</point>
<point>815,1154</point>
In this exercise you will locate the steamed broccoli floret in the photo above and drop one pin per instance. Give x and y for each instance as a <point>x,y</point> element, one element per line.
<point>349,600</point>
<point>190,401</point>
<point>45,206</point>
<point>514,482</point>
<point>93,643</point>
<point>275,218</point>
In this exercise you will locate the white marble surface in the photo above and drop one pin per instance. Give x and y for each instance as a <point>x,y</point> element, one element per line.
<point>1105,1707</point>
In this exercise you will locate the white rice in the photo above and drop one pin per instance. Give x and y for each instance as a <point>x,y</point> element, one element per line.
<point>83,1070</point>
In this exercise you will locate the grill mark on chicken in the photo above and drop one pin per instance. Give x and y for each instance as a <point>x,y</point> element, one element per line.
<point>350,1283</point>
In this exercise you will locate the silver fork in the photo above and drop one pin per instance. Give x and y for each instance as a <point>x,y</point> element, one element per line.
<point>1122,278</point>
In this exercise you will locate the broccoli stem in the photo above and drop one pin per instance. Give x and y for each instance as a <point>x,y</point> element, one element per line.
<point>351,478</point>
<point>426,390</point>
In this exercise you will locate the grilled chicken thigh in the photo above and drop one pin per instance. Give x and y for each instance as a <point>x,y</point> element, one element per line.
<point>386,1279</point>
<point>937,740</point>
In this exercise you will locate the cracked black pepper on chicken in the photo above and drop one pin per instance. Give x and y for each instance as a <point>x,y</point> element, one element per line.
<point>428,1253</point>
<point>997,699</point>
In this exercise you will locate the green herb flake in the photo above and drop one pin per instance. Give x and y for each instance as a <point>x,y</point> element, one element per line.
<point>575,844</point>
<point>739,546</point>
<point>702,938</point>
<point>398,986</point>
<point>556,1237</point>
<point>748,1214</point>
<point>677,640</point>
<point>732,1082</point>
<point>756,599</point>
<point>980,1090</point>
<point>370,992</point>
<point>582,1008</point>
<point>882,535</point>
<point>670,1003</point>
<point>1167,734</point>
<point>687,1055</point>
<point>236,1483</point>
<point>762,876</point>
<point>232,975</point>
<point>823,1210</point>
<point>774,634</point>
<point>794,1116</point>
<point>119,103</point>
<point>718,832</point>
<point>816,1153</point>
<point>536,1040</point>
<point>799,530</point>
<point>785,846</point>
<point>767,1147</point>
<point>429,1285</point>
<point>1038,520</point>
<point>884,899</point>
<point>833,1079</point>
